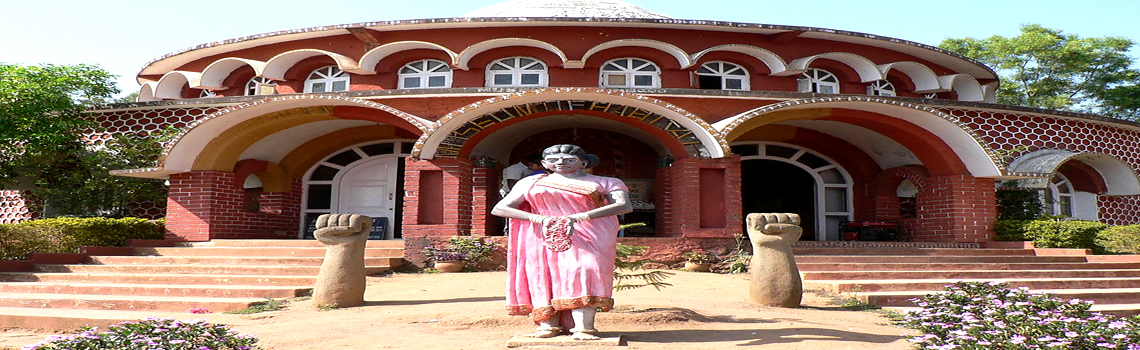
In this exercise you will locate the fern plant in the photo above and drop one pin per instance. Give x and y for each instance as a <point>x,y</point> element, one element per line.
<point>630,269</point>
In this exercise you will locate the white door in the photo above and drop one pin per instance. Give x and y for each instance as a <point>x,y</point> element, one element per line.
<point>370,189</point>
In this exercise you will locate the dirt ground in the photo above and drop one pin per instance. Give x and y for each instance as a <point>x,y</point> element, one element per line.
<point>465,311</point>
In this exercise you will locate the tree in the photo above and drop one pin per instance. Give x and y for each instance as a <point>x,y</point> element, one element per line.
<point>41,111</point>
<point>1047,68</point>
<point>41,148</point>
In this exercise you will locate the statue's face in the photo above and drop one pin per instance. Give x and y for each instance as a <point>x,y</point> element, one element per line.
<point>563,163</point>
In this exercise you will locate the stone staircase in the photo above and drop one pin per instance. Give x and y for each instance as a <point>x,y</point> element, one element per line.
<point>170,278</point>
<point>889,275</point>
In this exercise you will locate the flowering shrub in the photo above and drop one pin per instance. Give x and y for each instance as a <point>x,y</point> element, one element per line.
<point>472,250</point>
<point>152,334</point>
<point>978,316</point>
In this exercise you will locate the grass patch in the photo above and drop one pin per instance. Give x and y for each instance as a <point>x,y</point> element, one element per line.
<point>268,305</point>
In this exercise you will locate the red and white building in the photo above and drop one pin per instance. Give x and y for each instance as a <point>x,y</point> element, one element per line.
<point>412,121</point>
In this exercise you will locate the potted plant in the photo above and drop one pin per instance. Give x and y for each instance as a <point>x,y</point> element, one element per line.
<point>697,261</point>
<point>459,252</point>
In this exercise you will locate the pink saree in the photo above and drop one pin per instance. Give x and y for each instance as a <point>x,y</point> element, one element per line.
<point>541,281</point>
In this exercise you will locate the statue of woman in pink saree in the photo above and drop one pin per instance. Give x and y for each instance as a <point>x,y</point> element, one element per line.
<point>560,259</point>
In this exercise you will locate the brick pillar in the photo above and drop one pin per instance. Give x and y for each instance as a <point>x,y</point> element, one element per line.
<point>203,205</point>
<point>438,197</point>
<point>956,208</point>
<point>484,196</point>
<point>192,203</point>
<point>704,199</point>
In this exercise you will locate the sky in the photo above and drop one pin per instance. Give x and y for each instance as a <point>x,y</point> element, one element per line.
<point>123,35</point>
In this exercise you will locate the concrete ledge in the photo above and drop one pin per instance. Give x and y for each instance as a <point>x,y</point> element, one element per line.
<point>1061,252</point>
<point>1009,245</point>
<point>1113,258</point>
<point>519,340</point>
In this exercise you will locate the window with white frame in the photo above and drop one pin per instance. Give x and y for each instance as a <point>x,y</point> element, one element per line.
<point>881,88</point>
<point>425,74</point>
<point>818,81</point>
<point>516,72</point>
<point>260,86</point>
<point>722,76</point>
<point>207,94</point>
<point>1058,197</point>
<point>630,73</point>
<point>327,79</point>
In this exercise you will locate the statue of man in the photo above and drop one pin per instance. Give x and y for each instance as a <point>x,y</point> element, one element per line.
<point>560,259</point>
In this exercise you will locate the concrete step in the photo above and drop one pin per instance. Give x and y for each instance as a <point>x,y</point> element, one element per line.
<point>966,274</point>
<point>935,266</point>
<point>1097,295</point>
<point>231,260</point>
<point>307,252</point>
<point>873,285</point>
<point>159,278</point>
<point>195,269</point>
<point>71,319</point>
<point>912,251</point>
<point>870,259</point>
<point>175,290</point>
<point>399,244</point>
<point>118,302</point>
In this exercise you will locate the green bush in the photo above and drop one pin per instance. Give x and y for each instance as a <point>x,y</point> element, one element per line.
<point>1051,233</point>
<point>66,235</point>
<point>1120,239</point>
<point>1011,230</point>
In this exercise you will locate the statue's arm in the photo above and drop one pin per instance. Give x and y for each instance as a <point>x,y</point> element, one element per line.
<point>509,206</point>
<point>618,204</point>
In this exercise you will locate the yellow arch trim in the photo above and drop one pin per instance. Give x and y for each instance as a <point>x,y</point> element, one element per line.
<point>297,162</point>
<point>223,151</point>
<point>776,117</point>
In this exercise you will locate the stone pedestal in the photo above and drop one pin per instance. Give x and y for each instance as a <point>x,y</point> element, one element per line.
<point>775,278</point>
<point>520,340</point>
<point>341,281</point>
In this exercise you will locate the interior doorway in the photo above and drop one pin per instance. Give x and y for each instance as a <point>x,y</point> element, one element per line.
<point>769,186</point>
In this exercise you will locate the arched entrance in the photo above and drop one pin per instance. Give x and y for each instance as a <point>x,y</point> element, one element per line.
<point>363,179</point>
<point>778,177</point>
<point>769,186</point>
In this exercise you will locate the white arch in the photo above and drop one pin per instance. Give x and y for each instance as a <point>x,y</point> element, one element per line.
<point>974,153</point>
<point>866,69</point>
<point>989,92</point>
<point>924,79</point>
<point>964,85</point>
<point>170,86</point>
<point>429,142</point>
<point>183,151</point>
<point>216,73</point>
<point>1119,178</point>
<point>146,93</point>
<point>775,63</point>
<point>276,67</point>
<point>478,48</point>
<point>681,56</point>
<point>374,56</point>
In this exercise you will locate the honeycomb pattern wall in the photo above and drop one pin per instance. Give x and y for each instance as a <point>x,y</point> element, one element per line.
<point>13,208</point>
<point>144,122</point>
<point>1014,134</point>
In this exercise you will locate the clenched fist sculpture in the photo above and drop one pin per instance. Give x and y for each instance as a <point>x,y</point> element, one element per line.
<point>775,278</point>
<point>341,281</point>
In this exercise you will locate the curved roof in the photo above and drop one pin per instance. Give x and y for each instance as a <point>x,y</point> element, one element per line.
<point>564,8</point>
